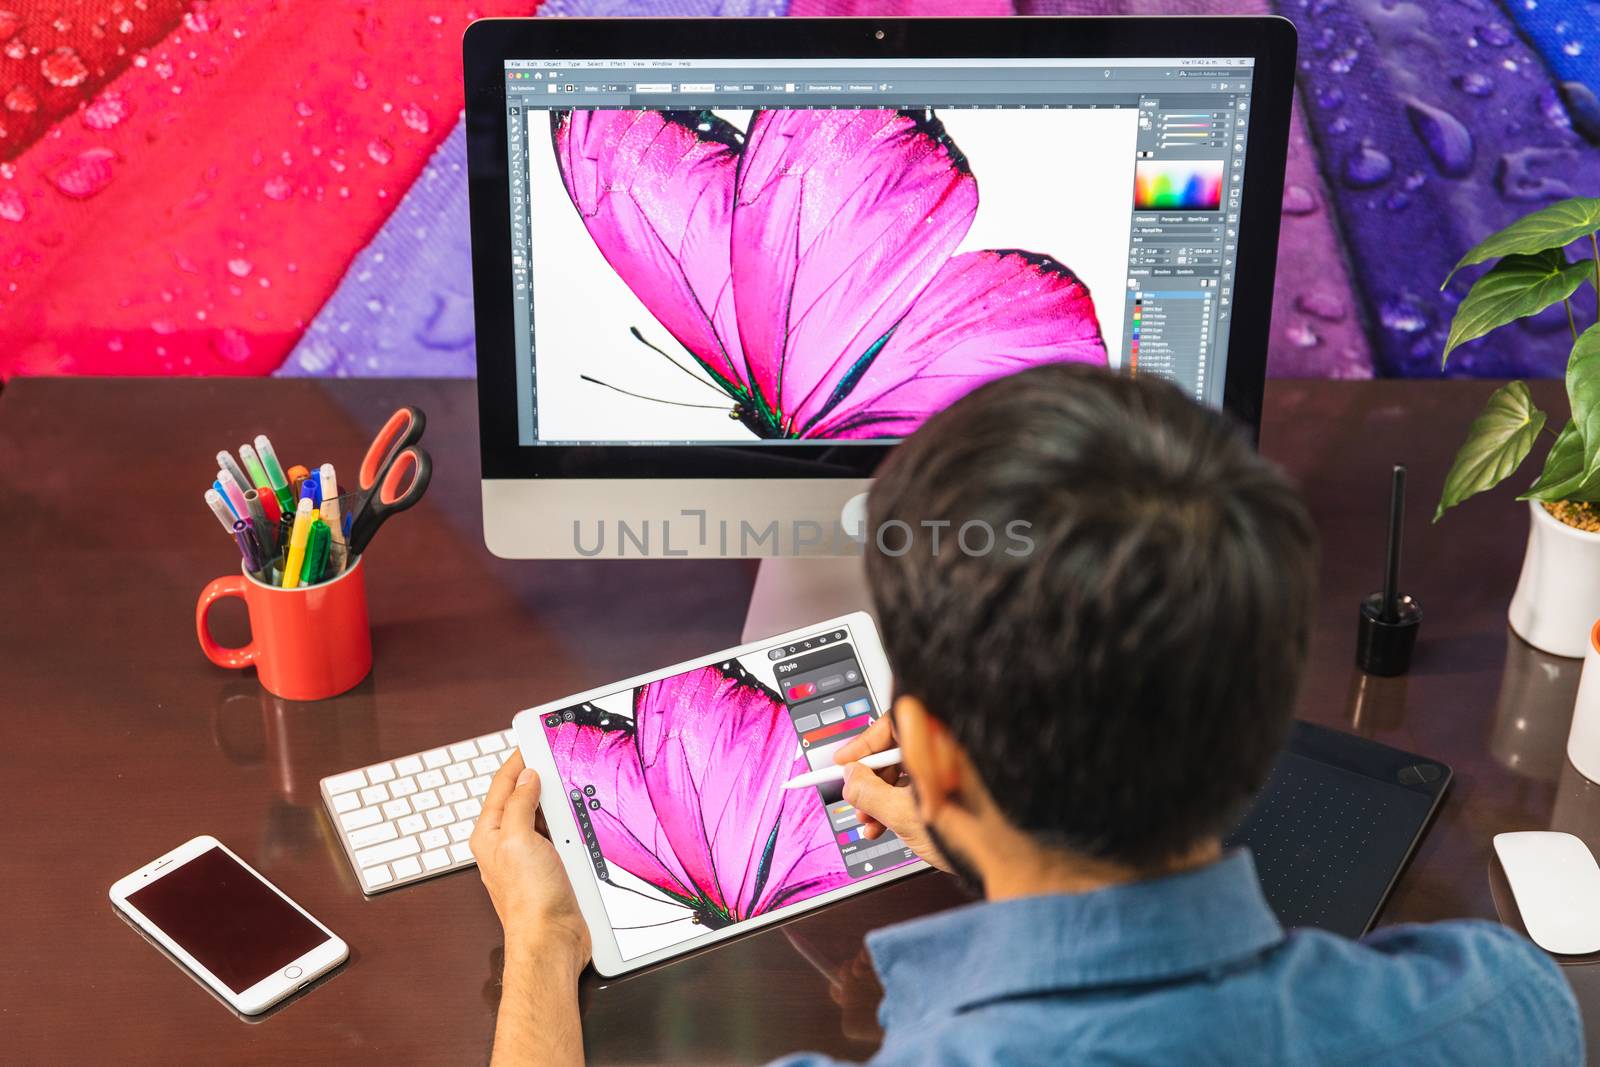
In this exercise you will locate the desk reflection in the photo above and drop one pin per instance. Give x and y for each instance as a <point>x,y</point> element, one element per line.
<point>1534,711</point>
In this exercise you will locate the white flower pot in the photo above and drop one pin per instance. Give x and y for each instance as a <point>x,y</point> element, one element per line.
<point>1558,596</point>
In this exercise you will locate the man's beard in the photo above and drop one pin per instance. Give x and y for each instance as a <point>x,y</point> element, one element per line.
<point>961,866</point>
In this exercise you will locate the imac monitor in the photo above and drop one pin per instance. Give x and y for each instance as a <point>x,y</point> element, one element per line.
<point>721,267</point>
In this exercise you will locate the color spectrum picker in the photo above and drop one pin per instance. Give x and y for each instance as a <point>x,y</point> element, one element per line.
<point>1177,184</point>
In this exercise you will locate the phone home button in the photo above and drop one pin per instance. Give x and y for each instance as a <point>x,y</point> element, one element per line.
<point>292,972</point>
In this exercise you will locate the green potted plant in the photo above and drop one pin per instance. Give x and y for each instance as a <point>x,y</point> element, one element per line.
<point>1558,595</point>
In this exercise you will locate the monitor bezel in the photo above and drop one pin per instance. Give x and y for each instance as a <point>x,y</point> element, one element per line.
<point>1269,40</point>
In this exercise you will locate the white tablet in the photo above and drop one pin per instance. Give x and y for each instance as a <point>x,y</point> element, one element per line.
<point>663,792</point>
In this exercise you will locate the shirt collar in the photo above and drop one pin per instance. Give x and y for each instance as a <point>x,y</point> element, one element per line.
<point>1149,931</point>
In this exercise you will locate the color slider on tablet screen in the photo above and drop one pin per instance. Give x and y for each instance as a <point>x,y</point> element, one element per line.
<point>887,758</point>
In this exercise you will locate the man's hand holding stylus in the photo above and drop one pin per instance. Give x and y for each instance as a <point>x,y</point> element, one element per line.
<point>883,798</point>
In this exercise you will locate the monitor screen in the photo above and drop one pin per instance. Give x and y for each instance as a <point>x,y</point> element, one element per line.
<point>788,252</point>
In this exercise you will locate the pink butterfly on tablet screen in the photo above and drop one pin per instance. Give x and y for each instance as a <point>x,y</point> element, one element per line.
<point>689,799</point>
<point>807,265</point>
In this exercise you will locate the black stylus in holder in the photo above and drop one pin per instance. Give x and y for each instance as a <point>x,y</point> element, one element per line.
<point>1387,629</point>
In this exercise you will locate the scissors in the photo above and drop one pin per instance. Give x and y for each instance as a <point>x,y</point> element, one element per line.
<point>393,455</point>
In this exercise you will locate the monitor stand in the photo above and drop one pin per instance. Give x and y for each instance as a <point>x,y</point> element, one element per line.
<point>793,592</point>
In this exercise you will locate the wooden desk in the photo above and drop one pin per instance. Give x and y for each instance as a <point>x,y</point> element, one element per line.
<point>120,740</point>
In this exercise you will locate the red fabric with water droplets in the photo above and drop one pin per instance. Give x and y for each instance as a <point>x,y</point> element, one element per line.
<point>196,213</point>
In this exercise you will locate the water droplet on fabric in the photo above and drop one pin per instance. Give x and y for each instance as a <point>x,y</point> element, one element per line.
<point>21,100</point>
<point>12,207</point>
<point>1530,174</point>
<point>1301,335</point>
<point>1344,62</point>
<point>231,344</point>
<point>303,109</point>
<point>106,110</point>
<point>125,26</point>
<point>1327,306</point>
<point>86,174</point>
<point>277,187</point>
<point>360,80</point>
<point>164,327</point>
<point>1446,138</point>
<point>164,69</point>
<point>1496,34</point>
<point>1366,167</point>
<point>1573,48</point>
<point>1475,83</point>
<point>416,117</point>
<point>15,49</point>
<point>200,18</point>
<point>374,305</point>
<point>1405,313</point>
<point>380,151</point>
<point>9,24</point>
<point>239,267</point>
<point>184,263</point>
<point>1298,200</point>
<point>1552,108</point>
<point>1330,97</point>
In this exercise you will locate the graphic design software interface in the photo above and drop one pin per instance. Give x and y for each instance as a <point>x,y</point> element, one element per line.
<point>676,789</point>
<point>791,251</point>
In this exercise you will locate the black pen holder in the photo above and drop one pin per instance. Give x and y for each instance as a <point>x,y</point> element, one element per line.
<point>1383,647</point>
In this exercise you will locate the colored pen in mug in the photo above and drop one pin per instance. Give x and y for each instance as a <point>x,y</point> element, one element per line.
<point>297,480</point>
<point>311,489</point>
<point>275,475</point>
<point>247,551</point>
<point>219,508</point>
<point>235,494</point>
<point>226,461</point>
<point>216,487</point>
<point>269,504</point>
<point>259,523</point>
<point>253,467</point>
<point>296,556</point>
<point>316,561</point>
<point>330,502</point>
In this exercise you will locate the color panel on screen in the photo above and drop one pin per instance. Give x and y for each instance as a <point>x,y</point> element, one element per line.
<point>1177,184</point>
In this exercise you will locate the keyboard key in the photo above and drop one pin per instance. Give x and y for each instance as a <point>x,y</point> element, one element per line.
<point>491,743</point>
<point>456,772</point>
<point>346,802</point>
<point>413,824</point>
<point>435,838</point>
<point>388,851</point>
<point>424,801</point>
<point>371,835</point>
<point>435,859</point>
<point>461,853</point>
<point>404,787</point>
<point>453,792</point>
<point>343,783</point>
<point>478,786</point>
<point>441,817</point>
<point>461,831</point>
<point>393,809</point>
<point>510,736</point>
<point>408,765</point>
<point>379,875</point>
<point>383,772</point>
<point>487,764</point>
<point>374,794</point>
<point>430,779</point>
<point>355,820</point>
<point>435,757</point>
<point>468,809</point>
<point>406,868</point>
<point>463,750</point>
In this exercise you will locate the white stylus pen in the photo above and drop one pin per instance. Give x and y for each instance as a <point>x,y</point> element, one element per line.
<point>887,758</point>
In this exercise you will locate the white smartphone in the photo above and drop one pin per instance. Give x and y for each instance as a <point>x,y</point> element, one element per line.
<point>235,931</point>
<point>665,800</point>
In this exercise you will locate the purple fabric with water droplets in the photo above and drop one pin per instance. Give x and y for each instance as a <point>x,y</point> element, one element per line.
<point>690,798</point>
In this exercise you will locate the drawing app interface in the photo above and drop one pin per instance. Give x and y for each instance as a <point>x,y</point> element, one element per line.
<point>675,787</point>
<point>773,252</point>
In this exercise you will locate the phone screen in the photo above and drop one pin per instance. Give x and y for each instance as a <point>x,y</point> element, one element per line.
<point>227,919</point>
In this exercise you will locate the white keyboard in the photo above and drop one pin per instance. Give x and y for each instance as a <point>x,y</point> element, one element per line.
<point>408,819</point>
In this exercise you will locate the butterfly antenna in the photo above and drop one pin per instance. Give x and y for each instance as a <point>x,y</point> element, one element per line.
<point>655,399</point>
<point>637,336</point>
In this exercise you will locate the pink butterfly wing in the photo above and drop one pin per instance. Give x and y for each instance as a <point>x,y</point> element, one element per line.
<point>655,191</point>
<point>841,219</point>
<point>715,748</point>
<point>987,314</point>
<point>625,825</point>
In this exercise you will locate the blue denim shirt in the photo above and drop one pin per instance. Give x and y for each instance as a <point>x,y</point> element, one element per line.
<point>1194,969</point>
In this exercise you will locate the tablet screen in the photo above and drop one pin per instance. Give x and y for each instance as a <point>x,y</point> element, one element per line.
<point>676,787</point>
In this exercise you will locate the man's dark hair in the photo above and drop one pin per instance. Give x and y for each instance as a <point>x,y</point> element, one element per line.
<point>1120,670</point>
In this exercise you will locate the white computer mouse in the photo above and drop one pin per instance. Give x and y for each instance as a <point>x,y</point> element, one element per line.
<point>1557,885</point>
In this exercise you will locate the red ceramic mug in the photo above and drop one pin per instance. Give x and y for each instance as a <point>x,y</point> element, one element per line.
<point>306,643</point>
